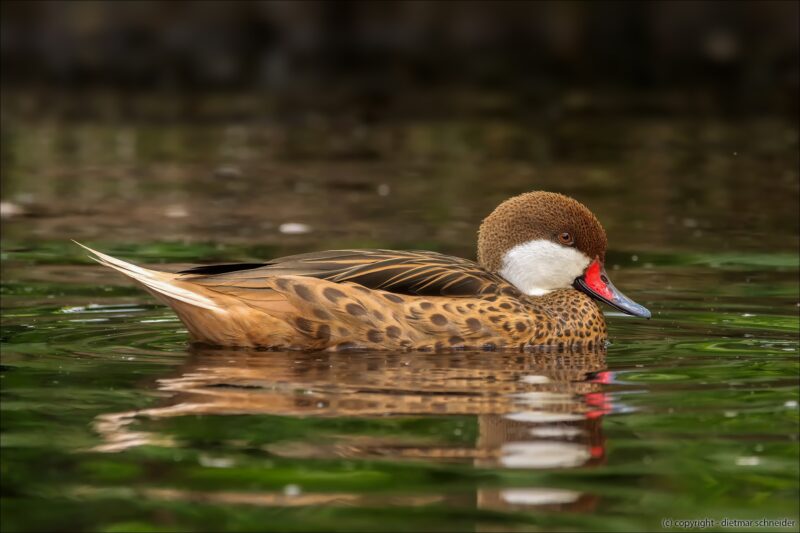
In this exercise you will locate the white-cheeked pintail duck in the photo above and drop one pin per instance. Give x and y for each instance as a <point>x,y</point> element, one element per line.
<point>539,271</point>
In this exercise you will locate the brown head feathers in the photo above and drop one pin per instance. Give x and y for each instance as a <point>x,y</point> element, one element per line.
<point>538,215</point>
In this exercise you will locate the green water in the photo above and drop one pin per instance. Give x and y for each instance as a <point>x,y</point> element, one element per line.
<point>111,422</point>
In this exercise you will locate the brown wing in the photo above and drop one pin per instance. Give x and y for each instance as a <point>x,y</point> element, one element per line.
<point>402,272</point>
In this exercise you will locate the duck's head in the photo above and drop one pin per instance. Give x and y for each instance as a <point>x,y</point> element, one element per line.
<point>543,241</point>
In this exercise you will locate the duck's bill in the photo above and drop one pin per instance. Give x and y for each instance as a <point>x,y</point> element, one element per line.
<point>596,284</point>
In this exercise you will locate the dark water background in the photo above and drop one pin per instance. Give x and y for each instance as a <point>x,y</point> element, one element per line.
<point>112,423</point>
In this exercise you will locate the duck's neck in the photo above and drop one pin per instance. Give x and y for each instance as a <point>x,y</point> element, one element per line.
<point>573,313</point>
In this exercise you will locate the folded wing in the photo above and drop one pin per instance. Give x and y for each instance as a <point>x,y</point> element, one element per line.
<point>422,273</point>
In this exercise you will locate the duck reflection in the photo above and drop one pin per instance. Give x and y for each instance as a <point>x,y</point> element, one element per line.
<point>533,411</point>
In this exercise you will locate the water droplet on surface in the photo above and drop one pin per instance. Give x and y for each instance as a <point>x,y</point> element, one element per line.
<point>10,209</point>
<point>176,211</point>
<point>215,462</point>
<point>227,172</point>
<point>292,490</point>
<point>294,228</point>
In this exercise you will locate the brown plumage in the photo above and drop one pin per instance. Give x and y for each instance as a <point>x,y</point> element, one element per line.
<point>379,299</point>
<point>542,215</point>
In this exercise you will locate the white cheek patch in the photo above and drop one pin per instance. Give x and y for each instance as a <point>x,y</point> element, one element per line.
<point>538,267</point>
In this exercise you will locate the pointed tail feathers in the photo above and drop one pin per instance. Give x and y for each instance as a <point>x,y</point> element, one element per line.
<point>161,284</point>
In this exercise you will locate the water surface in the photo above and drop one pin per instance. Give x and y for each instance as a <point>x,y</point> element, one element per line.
<point>111,422</point>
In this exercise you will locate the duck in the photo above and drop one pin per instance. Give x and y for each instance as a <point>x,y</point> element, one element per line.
<point>539,276</point>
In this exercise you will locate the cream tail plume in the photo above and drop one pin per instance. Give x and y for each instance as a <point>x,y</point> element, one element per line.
<point>163,285</point>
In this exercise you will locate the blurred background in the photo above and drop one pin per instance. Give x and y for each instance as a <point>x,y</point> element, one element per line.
<point>253,121</point>
<point>334,122</point>
<point>742,55</point>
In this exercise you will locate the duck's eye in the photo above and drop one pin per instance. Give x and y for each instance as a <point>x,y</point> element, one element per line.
<point>566,238</point>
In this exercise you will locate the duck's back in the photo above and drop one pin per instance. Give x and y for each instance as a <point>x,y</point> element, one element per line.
<point>416,272</point>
